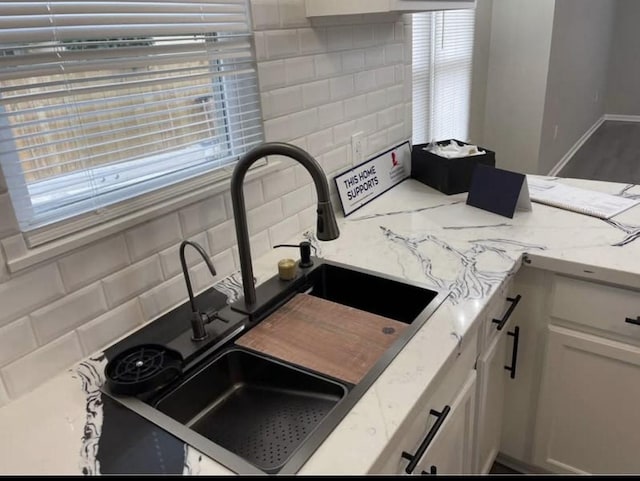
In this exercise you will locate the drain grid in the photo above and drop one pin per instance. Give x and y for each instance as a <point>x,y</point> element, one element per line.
<point>264,426</point>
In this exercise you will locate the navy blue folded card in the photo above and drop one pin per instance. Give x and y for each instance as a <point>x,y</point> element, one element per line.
<point>498,191</point>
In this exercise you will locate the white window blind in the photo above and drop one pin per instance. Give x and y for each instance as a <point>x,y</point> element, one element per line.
<point>442,64</point>
<point>101,101</point>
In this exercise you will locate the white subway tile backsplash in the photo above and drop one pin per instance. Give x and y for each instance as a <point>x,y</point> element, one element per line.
<point>283,231</point>
<point>153,236</point>
<point>68,313</point>
<point>394,94</point>
<point>202,215</point>
<point>260,245</point>
<point>264,216</point>
<point>399,74</point>
<point>399,31</point>
<point>315,93</point>
<point>132,281</point>
<point>281,43</point>
<point>222,237</point>
<point>340,38</point>
<point>374,57</point>
<point>41,365</point>
<point>365,81</point>
<point>108,327</point>
<point>265,14</point>
<point>384,33</point>
<point>376,101</point>
<point>291,126</point>
<point>265,102</point>
<point>328,64</point>
<point>394,53</point>
<point>270,75</point>
<point>387,118</point>
<point>308,218</point>
<point>278,183</point>
<point>24,293</point>
<point>330,114</point>
<point>335,160</point>
<point>93,263</point>
<point>377,143</point>
<point>352,60</point>
<point>341,87</point>
<point>202,278</point>
<point>363,36</point>
<point>8,222</point>
<point>284,101</point>
<point>312,40</point>
<point>16,340</point>
<point>261,48</point>
<point>320,142</point>
<point>163,297</point>
<point>170,258</point>
<point>295,201</point>
<point>397,134</point>
<point>342,132</point>
<point>385,76</point>
<point>367,124</point>
<point>293,13</point>
<point>298,70</point>
<point>355,107</point>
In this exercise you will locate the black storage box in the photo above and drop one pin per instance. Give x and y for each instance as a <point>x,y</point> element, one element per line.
<point>450,176</point>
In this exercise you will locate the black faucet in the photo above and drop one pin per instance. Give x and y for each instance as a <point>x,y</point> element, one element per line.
<point>198,319</point>
<point>327,227</point>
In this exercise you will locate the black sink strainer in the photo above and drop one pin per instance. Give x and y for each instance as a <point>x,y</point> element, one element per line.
<point>143,368</point>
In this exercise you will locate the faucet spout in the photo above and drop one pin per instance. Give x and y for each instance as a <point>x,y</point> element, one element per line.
<point>197,321</point>
<point>327,227</point>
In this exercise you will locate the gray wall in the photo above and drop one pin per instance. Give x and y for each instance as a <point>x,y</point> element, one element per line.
<point>577,78</point>
<point>516,81</point>
<point>481,45</point>
<point>623,93</point>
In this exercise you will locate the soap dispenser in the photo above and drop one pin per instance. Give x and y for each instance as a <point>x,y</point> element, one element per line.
<point>305,253</point>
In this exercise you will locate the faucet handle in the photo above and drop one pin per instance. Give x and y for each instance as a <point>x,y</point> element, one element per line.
<point>305,253</point>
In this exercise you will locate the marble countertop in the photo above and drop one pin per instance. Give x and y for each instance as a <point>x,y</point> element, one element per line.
<point>412,232</point>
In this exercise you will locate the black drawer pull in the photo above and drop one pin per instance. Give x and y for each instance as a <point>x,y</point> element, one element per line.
<point>507,315</point>
<point>432,471</point>
<point>414,458</point>
<point>633,321</point>
<point>514,353</point>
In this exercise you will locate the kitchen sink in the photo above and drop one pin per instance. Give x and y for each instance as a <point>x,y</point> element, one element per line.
<point>256,414</point>
<point>258,408</point>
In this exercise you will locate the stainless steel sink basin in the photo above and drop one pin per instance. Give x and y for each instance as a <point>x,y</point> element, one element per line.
<point>255,414</point>
<point>259,409</point>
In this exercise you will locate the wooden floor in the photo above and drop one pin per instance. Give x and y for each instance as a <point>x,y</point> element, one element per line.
<point>612,154</point>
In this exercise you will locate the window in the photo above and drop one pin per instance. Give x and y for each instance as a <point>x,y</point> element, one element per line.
<point>104,101</point>
<point>442,61</point>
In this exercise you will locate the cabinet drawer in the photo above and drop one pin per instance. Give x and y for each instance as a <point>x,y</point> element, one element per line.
<point>416,426</point>
<point>595,305</point>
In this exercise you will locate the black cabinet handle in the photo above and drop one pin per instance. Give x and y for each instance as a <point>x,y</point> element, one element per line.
<point>633,321</point>
<point>414,458</point>
<point>432,471</point>
<point>514,353</point>
<point>507,315</point>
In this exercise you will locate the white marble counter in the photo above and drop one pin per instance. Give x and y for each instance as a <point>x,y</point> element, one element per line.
<point>412,232</point>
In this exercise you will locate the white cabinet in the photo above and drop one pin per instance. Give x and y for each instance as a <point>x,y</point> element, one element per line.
<point>588,418</point>
<point>492,376</point>
<point>321,8</point>
<point>439,431</point>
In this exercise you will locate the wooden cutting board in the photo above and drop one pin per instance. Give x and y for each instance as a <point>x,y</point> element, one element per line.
<point>329,338</point>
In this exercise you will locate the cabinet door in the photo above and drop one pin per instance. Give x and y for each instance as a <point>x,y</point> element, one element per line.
<point>491,386</point>
<point>450,450</point>
<point>588,417</point>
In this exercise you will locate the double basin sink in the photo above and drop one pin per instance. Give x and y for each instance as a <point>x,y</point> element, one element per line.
<point>256,414</point>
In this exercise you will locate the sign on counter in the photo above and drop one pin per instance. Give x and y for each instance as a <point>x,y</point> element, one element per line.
<point>363,183</point>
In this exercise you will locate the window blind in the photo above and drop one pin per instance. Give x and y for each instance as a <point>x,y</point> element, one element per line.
<point>441,74</point>
<point>101,101</point>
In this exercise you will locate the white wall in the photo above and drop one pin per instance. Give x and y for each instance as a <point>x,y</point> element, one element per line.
<point>577,79</point>
<point>623,92</point>
<point>319,84</point>
<point>481,49</point>
<point>517,80</point>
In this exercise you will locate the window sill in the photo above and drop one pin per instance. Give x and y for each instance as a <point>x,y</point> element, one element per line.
<point>19,256</point>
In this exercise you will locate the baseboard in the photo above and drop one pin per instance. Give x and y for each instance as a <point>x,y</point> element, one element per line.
<point>622,118</point>
<point>567,157</point>
<point>518,466</point>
